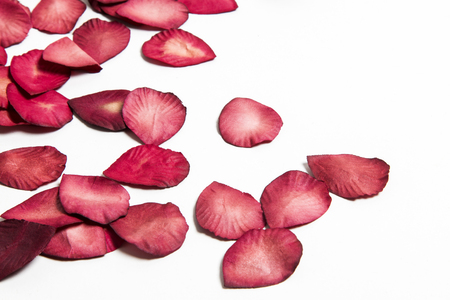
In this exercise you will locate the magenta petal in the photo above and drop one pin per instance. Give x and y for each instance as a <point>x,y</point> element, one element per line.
<point>15,23</point>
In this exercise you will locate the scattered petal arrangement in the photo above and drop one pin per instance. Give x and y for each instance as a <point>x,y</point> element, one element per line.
<point>90,216</point>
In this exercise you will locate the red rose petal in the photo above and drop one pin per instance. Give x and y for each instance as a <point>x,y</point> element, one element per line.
<point>77,241</point>
<point>350,176</point>
<point>261,258</point>
<point>152,115</point>
<point>57,16</point>
<point>209,6</point>
<point>103,109</point>
<point>177,48</point>
<point>102,40</point>
<point>246,123</point>
<point>149,165</point>
<point>35,75</point>
<point>28,168</point>
<point>97,198</point>
<point>294,198</point>
<point>164,14</point>
<point>227,212</point>
<point>20,242</point>
<point>43,208</point>
<point>158,229</point>
<point>49,109</point>
<point>15,23</point>
<point>65,52</point>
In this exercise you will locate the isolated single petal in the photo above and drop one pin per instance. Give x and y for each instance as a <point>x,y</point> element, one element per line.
<point>261,258</point>
<point>350,176</point>
<point>244,122</point>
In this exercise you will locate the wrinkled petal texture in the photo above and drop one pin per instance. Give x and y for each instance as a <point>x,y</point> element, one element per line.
<point>77,241</point>
<point>164,14</point>
<point>177,48</point>
<point>49,109</point>
<point>44,208</point>
<point>28,168</point>
<point>152,115</point>
<point>15,23</point>
<point>158,229</point>
<point>103,109</point>
<point>149,165</point>
<point>228,212</point>
<point>294,198</point>
<point>20,242</point>
<point>261,258</point>
<point>97,198</point>
<point>244,122</point>
<point>35,75</point>
<point>57,16</point>
<point>102,40</point>
<point>350,176</point>
<point>209,6</point>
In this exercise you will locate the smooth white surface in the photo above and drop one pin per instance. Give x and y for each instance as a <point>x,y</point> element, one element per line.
<point>369,78</point>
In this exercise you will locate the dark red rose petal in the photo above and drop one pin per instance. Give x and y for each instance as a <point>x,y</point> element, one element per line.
<point>20,242</point>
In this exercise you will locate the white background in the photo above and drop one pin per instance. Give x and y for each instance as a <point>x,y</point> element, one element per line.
<point>363,77</point>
